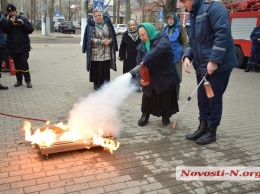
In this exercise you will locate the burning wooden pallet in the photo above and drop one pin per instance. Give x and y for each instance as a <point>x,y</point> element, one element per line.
<point>58,146</point>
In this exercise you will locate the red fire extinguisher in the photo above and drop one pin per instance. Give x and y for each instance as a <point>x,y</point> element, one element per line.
<point>11,66</point>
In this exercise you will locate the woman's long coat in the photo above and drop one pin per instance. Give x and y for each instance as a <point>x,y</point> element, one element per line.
<point>128,52</point>
<point>160,64</point>
<point>86,46</point>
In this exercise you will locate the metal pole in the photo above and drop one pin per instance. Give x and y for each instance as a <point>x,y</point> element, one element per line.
<point>84,15</point>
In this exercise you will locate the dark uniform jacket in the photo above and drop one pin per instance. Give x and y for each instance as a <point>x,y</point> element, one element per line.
<point>255,35</point>
<point>160,63</point>
<point>17,39</point>
<point>3,23</point>
<point>128,52</point>
<point>210,37</point>
<point>86,46</point>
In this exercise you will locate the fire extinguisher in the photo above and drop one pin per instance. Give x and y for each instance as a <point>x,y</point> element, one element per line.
<point>11,66</point>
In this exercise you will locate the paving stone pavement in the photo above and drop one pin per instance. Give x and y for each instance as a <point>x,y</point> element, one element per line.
<point>148,156</point>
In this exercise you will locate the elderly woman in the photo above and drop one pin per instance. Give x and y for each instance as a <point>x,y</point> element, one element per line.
<point>100,44</point>
<point>179,40</point>
<point>129,42</point>
<point>159,95</point>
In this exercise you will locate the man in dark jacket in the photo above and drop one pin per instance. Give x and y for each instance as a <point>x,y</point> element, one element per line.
<point>3,23</point>
<point>212,52</point>
<point>18,44</point>
<point>254,58</point>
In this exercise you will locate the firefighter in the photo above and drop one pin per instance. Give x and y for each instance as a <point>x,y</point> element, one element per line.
<point>254,58</point>
<point>18,44</point>
<point>212,51</point>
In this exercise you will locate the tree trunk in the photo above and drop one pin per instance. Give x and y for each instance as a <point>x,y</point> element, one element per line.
<point>3,6</point>
<point>171,6</point>
<point>114,11</point>
<point>143,6</point>
<point>31,13</point>
<point>128,10</point>
<point>118,11</point>
<point>51,13</point>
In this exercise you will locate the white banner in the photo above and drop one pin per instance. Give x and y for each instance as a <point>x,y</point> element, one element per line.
<point>213,173</point>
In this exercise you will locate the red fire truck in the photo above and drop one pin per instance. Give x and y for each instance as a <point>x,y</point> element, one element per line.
<point>244,17</point>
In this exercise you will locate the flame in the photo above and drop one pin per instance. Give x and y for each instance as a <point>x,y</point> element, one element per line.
<point>48,135</point>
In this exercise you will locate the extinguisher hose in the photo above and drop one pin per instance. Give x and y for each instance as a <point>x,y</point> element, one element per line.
<point>22,117</point>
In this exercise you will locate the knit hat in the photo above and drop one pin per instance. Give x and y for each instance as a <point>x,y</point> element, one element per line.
<point>10,7</point>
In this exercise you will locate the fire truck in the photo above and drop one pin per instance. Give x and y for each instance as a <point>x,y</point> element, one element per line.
<point>244,17</point>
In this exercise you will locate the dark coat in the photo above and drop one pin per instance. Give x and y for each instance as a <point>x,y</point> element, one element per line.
<point>88,34</point>
<point>3,24</point>
<point>128,52</point>
<point>17,39</point>
<point>210,37</point>
<point>160,64</point>
<point>255,35</point>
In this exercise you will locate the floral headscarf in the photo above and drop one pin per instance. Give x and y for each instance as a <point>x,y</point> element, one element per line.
<point>151,32</point>
<point>132,34</point>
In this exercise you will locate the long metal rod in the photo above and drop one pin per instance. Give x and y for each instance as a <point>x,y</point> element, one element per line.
<point>188,99</point>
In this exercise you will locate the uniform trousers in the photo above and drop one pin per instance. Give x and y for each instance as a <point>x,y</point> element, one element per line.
<point>210,109</point>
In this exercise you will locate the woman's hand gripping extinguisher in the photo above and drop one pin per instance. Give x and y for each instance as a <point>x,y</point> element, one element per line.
<point>11,66</point>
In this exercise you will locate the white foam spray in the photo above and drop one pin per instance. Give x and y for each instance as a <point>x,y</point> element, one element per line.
<point>100,109</point>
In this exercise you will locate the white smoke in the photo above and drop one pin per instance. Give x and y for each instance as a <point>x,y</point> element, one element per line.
<point>100,109</point>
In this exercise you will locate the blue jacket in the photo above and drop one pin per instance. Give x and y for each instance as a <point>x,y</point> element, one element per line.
<point>255,35</point>
<point>160,64</point>
<point>210,37</point>
<point>3,23</point>
<point>88,34</point>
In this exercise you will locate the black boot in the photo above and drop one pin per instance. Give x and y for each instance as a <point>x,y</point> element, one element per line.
<point>3,87</point>
<point>29,85</point>
<point>143,120</point>
<point>18,84</point>
<point>200,132</point>
<point>165,121</point>
<point>248,67</point>
<point>209,137</point>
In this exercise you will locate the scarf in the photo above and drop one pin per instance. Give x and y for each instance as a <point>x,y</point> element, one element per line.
<point>151,32</point>
<point>132,34</point>
<point>176,22</point>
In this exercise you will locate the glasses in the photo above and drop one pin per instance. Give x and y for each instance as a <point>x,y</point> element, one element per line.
<point>142,35</point>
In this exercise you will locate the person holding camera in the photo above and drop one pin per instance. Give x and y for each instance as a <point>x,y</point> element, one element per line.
<point>18,44</point>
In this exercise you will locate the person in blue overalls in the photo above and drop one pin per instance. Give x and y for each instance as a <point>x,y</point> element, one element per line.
<point>254,58</point>
<point>212,52</point>
<point>178,37</point>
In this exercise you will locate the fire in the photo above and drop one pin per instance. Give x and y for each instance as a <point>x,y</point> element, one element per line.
<point>49,135</point>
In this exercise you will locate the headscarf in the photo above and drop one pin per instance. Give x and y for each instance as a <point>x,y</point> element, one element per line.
<point>132,34</point>
<point>98,24</point>
<point>151,32</point>
<point>173,31</point>
<point>176,21</point>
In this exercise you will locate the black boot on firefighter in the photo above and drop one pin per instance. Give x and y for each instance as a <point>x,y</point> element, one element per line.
<point>29,85</point>
<point>3,87</point>
<point>200,132</point>
<point>19,78</point>
<point>209,137</point>
<point>249,67</point>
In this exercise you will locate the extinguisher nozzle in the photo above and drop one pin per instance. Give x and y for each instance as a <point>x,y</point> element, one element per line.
<point>174,125</point>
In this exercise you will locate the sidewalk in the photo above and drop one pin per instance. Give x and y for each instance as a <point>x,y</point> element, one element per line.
<point>38,34</point>
<point>147,158</point>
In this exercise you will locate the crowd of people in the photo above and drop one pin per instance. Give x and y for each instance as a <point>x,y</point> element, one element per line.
<point>206,43</point>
